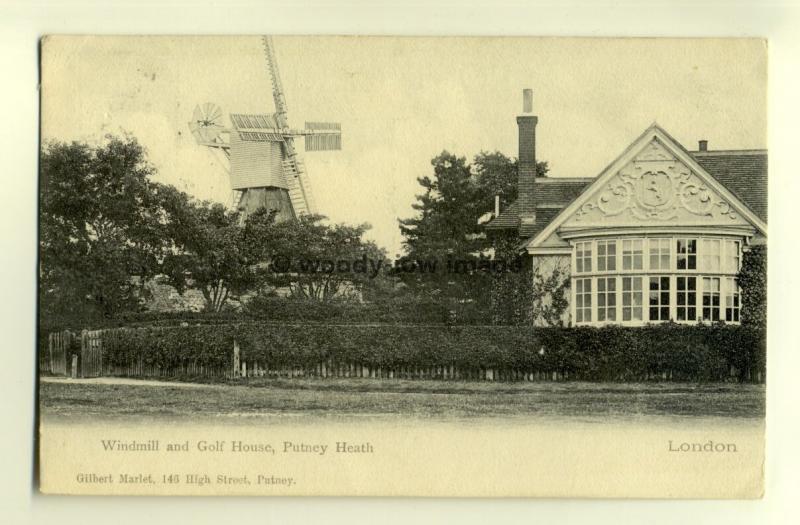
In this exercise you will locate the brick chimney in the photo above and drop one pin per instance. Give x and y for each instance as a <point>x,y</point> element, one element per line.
<point>526,204</point>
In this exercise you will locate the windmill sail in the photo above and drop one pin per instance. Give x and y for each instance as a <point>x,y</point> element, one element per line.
<point>324,136</point>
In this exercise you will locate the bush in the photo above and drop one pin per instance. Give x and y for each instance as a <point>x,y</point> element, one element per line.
<point>687,353</point>
<point>753,282</point>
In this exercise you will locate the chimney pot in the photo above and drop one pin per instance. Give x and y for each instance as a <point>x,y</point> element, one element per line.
<point>703,145</point>
<point>527,101</point>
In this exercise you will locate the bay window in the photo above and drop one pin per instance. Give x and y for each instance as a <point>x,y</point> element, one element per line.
<point>638,280</point>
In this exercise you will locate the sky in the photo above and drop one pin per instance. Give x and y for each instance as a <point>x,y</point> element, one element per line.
<point>401,101</point>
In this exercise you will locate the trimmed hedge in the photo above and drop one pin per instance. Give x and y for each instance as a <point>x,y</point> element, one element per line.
<point>169,347</point>
<point>686,353</point>
<point>280,309</point>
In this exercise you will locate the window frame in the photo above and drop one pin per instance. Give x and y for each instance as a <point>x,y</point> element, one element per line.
<point>690,256</point>
<point>608,295</point>
<point>733,292</point>
<point>669,241</point>
<point>583,294</point>
<point>606,258</point>
<point>631,294</point>
<point>580,247</point>
<point>660,306</point>
<point>711,295</point>
<point>632,254</point>
<point>686,293</point>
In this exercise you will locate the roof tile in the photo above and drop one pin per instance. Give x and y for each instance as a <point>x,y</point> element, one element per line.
<point>744,173</point>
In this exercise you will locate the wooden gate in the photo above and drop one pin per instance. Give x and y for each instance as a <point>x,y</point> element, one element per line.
<point>91,358</point>
<point>59,346</point>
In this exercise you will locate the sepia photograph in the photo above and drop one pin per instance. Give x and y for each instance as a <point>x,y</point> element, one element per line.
<point>402,266</point>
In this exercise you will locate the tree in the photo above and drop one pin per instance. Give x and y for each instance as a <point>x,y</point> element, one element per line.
<point>212,252</point>
<point>101,228</point>
<point>446,230</point>
<point>318,261</point>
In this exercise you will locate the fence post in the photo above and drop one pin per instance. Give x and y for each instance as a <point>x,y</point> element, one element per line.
<point>236,358</point>
<point>74,368</point>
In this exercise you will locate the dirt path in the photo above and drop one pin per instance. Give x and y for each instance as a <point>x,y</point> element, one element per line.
<point>124,381</point>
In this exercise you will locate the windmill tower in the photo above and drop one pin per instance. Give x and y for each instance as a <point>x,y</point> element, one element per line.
<point>260,154</point>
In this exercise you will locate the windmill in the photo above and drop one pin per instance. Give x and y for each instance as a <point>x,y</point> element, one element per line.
<point>260,154</point>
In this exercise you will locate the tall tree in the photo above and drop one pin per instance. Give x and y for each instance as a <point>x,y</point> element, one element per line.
<point>446,229</point>
<point>101,227</point>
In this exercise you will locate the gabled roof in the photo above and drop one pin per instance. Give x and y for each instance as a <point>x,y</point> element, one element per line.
<point>742,172</point>
<point>654,132</point>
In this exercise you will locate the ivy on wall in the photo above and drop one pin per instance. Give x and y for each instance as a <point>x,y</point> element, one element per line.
<point>753,282</point>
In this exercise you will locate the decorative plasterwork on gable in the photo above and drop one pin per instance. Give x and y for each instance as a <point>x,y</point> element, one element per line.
<point>655,188</point>
<point>654,183</point>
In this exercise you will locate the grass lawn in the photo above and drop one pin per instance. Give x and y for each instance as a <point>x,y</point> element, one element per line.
<point>350,398</point>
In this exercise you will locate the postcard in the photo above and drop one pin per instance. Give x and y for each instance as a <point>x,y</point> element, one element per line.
<point>402,266</point>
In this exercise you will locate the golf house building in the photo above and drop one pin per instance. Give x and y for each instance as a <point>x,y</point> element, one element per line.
<point>658,235</point>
